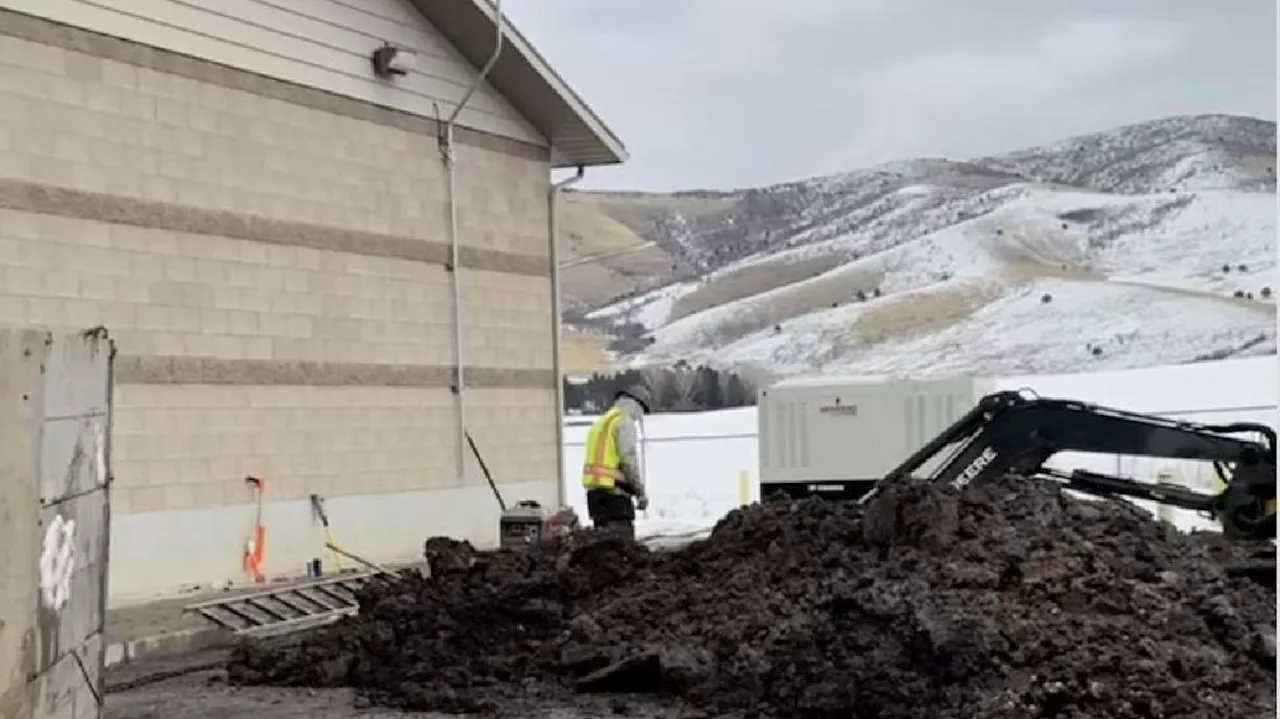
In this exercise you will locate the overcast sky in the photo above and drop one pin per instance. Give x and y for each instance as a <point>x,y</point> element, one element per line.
<point>740,93</point>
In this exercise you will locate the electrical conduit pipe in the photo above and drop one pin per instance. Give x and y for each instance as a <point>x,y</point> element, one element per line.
<point>557,366</point>
<point>450,160</point>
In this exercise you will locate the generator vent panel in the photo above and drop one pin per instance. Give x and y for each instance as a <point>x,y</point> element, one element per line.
<point>841,429</point>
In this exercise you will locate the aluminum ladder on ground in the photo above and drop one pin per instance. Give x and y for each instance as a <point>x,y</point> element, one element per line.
<point>288,609</point>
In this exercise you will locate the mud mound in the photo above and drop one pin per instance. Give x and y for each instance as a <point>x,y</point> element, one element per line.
<point>1011,600</point>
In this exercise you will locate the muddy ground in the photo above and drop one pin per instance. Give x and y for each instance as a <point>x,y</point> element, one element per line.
<point>194,686</point>
<point>1011,600</point>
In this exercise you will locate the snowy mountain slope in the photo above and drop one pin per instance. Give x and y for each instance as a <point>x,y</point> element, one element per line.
<point>650,310</point>
<point>1019,333</point>
<point>894,266</point>
<point>1177,153</point>
<point>1023,241</point>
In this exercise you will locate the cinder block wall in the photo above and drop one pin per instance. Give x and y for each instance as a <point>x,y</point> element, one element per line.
<point>270,259</point>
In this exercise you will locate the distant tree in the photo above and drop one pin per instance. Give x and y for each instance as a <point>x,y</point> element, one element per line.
<point>666,389</point>
<point>735,392</point>
<point>572,398</point>
<point>684,390</point>
<point>679,388</point>
<point>706,388</point>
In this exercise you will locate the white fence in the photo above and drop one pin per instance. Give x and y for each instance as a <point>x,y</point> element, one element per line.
<point>701,465</point>
<point>697,466</point>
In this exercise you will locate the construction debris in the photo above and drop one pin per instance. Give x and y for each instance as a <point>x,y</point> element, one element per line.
<point>1012,600</point>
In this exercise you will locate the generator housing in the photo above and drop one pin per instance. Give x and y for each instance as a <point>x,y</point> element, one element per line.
<point>836,436</point>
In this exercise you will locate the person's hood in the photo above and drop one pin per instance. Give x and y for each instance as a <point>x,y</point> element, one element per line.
<point>631,407</point>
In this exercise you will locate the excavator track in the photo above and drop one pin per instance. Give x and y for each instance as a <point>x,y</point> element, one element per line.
<point>1260,566</point>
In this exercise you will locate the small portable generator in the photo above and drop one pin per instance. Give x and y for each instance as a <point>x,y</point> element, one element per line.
<point>528,523</point>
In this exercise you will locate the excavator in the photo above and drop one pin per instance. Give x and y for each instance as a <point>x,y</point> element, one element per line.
<point>1017,432</point>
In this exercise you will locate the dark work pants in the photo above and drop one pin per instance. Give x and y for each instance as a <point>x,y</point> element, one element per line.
<point>612,511</point>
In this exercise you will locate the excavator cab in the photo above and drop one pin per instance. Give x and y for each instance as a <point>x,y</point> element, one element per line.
<point>1016,433</point>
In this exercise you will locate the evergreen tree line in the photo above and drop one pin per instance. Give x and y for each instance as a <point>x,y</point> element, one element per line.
<point>681,388</point>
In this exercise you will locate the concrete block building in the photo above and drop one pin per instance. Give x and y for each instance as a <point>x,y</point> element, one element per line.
<point>266,226</point>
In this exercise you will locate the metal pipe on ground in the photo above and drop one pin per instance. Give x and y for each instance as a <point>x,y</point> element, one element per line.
<point>557,361</point>
<point>449,157</point>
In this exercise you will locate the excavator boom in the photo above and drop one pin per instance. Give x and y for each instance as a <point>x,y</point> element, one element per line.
<point>1011,433</point>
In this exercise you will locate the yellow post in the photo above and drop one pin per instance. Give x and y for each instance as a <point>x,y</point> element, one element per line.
<point>1219,486</point>
<point>744,488</point>
<point>1163,511</point>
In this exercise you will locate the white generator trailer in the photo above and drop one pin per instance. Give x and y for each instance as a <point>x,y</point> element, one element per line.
<point>837,436</point>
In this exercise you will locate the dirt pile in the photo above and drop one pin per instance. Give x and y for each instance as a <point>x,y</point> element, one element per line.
<point>1012,600</point>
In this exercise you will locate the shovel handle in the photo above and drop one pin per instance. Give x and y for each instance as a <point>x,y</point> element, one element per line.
<point>317,504</point>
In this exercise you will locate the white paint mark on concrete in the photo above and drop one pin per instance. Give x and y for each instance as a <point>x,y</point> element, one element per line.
<point>57,562</point>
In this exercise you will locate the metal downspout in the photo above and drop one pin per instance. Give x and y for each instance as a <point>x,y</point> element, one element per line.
<point>450,159</point>
<point>557,367</point>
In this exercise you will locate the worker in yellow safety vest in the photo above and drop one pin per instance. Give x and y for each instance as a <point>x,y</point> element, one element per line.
<point>611,465</point>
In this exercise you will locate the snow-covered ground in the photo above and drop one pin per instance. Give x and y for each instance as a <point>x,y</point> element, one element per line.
<point>1147,278</point>
<point>700,466</point>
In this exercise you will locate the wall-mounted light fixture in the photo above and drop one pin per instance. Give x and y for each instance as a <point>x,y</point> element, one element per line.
<point>389,61</point>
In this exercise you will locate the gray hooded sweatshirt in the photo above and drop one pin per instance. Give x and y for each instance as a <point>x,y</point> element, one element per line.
<point>626,434</point>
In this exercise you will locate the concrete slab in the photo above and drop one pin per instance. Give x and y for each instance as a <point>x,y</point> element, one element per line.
<point>179,642</point>
<point>161,627</point>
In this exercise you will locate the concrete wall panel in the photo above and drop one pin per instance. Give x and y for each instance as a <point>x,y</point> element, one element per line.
<point>54,420</point>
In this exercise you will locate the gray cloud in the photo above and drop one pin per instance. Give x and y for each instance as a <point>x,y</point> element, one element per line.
<point>736,93</point>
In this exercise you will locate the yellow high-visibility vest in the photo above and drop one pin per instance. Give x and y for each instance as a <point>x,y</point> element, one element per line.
<point>601,463</point>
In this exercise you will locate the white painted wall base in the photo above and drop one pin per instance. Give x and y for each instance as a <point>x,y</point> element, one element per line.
<point>157,554</point>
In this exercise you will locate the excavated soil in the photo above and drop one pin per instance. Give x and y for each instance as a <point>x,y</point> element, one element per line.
<point>1011,600</point>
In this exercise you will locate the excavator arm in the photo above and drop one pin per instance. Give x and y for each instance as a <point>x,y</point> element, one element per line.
<point>1011,433</point>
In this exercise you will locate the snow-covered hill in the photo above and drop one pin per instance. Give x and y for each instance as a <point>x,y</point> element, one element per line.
<point>1123,248</point>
